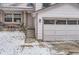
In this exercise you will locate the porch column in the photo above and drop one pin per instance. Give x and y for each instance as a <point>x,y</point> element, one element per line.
<point>1,15</point>
<point>25,24</point>
<point>25,18</point>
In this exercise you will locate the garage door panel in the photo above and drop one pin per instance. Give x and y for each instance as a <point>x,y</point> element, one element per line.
<point>47,27</point>
<point>60,32</point>
<point>77,32</point>
<point>53,38</point>
<point>53,32</point>
<point>77,27</point>
<point>72,27</point>
<point>60,27</point>
<point>49,32</point>
<point>72,32</point>
<point>72,37</point>
<point>49,38</point>
<point>60,37</point>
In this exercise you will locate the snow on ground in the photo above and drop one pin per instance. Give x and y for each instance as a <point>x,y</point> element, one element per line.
<point>10,44</point>
<point>35,50</point>
<point>9,41</point>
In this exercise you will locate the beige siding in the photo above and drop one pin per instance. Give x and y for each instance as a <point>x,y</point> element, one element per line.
<point>30,26</point>
<point>30,21</point>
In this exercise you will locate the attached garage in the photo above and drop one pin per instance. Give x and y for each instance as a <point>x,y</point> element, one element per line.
<point>61,29</point>
<point>58,22</point>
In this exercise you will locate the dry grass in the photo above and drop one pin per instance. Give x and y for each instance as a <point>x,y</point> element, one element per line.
<point>26,46</point>
<point>67,47</point>
<point>41,45</point>
<point>30,40</point>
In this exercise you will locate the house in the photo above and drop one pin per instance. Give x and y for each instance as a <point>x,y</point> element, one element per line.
<point>45,21</point>
<point>59,21</point>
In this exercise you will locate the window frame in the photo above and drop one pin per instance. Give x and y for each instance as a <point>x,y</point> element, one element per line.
<point>53,22</point>
<point>73,21</point>
<point>60,23</point>
<point>6,17</point>
<point>20,17</point>
<point>13,17</point>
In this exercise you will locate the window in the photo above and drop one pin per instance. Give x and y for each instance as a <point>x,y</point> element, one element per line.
<point>71,22</point>
<point>63,21</point>
<point>30,5</point>
<point>78,21</point>
<point>48,21</point>
<point>8,17</point>
<point>46,4</point>
<point>17,17</point>
<point>60,21</point>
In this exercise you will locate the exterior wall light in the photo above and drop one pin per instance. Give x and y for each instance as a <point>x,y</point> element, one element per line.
<point>39,20</point>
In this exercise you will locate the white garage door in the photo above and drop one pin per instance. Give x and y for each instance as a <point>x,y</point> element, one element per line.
<point>61,29</point>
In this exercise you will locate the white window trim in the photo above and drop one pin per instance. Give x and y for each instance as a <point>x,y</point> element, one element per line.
<point>66,21</point>
<point>13,16</point>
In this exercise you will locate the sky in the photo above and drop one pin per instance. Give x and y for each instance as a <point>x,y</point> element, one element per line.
<point>39,1</point>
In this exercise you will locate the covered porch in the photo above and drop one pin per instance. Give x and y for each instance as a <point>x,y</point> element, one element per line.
<point>12,18</point>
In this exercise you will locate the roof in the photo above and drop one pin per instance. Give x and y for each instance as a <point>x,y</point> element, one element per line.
<point>52,6</point>
<point>12,4</point>
<point>15,6</point>
<point>45,8</point>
